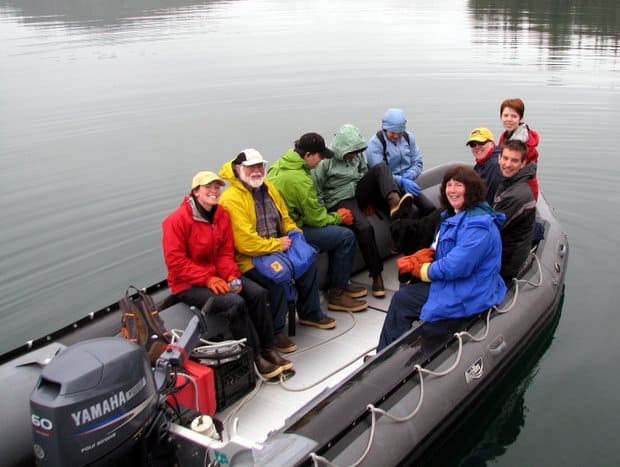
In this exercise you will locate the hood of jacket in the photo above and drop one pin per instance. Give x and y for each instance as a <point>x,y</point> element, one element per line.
<point>480,209</point>
<point>347,140</point>
<point>228,173</point>
<point>291,160</point>
<point>394,120</point>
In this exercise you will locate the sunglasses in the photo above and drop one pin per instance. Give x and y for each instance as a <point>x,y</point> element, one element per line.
<point>475,144</point>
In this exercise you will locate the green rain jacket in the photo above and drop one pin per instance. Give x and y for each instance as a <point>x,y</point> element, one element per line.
<point>336,179</point>
<point>291,176</point>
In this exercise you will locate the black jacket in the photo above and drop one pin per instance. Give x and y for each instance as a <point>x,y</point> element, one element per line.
<point>515,199</point>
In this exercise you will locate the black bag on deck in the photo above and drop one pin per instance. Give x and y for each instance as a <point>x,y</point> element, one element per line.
<point>142,323</point>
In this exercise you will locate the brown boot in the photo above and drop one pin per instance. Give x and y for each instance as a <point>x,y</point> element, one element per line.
<point>266,368</point>
<point>283,344</point>
<point>324,323</point>
<point>355,291</point>
<point>274,357</point>
<point>338,300</point>
<point>378,290</point>
<point>393,199</point>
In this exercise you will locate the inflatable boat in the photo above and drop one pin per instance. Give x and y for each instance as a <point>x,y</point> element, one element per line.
<point>83,396</point>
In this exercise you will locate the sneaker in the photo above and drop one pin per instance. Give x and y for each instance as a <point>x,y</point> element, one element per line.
<point>274,357</point>
<point>355,291</point>
<point>266,368</point>
<point>338,300</point>
<point>378,290</point>
<point>325,323</point>
<point>405,204</point>
<point>283,344</point>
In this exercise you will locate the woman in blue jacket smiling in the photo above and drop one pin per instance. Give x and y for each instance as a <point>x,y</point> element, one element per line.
<point>459,274</point>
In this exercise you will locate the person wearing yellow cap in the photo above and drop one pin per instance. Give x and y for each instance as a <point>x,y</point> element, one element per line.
<point>200,257</point>
<point>486,154</point>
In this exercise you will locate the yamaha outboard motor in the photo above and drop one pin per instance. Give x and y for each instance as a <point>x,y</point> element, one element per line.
<point>92,403</point>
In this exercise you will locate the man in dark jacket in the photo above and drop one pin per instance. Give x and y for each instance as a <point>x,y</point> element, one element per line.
<point>515,199</point>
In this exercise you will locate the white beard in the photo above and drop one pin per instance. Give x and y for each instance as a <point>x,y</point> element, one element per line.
<point>255,180</point>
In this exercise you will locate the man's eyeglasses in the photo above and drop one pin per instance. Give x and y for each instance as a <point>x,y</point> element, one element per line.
<point>475,144</point>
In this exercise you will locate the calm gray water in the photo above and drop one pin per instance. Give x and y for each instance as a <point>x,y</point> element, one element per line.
<point>108,108</point>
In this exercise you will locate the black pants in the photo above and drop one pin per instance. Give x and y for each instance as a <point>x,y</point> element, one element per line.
<point>247,313</point>
<point>374,186</point>
<point>371,190</point>
<point>365,235</point>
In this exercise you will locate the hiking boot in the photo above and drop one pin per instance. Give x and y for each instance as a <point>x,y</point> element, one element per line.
<point>338,300</point>
<point>325,323</point>
<point>355,291</point>
<point>266,368</point>
<point>274,357</point>
<point>392,200</point>
<point>283,344</point>
<point>378,290</point>
<point>404,206</point>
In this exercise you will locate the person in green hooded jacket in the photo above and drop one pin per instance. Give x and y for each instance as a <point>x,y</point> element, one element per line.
<point>345,181</point>
<point>322,229</point>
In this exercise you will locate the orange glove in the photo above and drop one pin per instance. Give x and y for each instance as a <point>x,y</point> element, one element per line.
<point>235,284</point>
<point>425,255</point>
<point>218,285</point>
<point>369,210</point>
<point>346,215</point>
<point>408,264</point>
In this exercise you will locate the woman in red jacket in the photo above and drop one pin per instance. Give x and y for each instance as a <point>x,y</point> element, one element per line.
<point>511,113</point>
<point>199,254</point>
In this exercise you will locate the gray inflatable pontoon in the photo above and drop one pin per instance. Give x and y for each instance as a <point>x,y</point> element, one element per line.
<point>338,409</point>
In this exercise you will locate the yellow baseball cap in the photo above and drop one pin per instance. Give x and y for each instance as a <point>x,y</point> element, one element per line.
<point>481,135</point>
<point>204,178</point>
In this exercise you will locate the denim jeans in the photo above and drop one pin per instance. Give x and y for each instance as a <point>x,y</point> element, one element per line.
<point>339,243</point>
<point>308,300</point>
<point>404,309</point>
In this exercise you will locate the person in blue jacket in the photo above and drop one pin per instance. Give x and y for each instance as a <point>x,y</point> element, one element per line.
<point>460,274</point>
<point>397,147</point>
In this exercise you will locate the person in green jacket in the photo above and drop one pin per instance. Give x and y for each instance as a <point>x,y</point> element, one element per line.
<point>291,176</point>
<point>346,182</point>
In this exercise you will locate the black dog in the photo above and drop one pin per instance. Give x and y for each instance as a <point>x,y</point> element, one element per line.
<point>409,235</point>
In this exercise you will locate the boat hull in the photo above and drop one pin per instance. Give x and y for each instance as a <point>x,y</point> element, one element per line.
<point>337,423</point>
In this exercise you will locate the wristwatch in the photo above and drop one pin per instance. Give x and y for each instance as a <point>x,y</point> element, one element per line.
<point>234,285</point>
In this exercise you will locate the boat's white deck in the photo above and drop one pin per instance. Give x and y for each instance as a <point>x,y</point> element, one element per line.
<point>319,354</point>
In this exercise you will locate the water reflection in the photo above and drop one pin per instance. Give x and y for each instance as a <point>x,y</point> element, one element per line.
<point>104,14</point>
<point>500,419</point>
<point>550,29</point>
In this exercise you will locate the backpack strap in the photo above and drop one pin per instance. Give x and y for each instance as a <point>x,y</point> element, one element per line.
<point>381,138</point>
